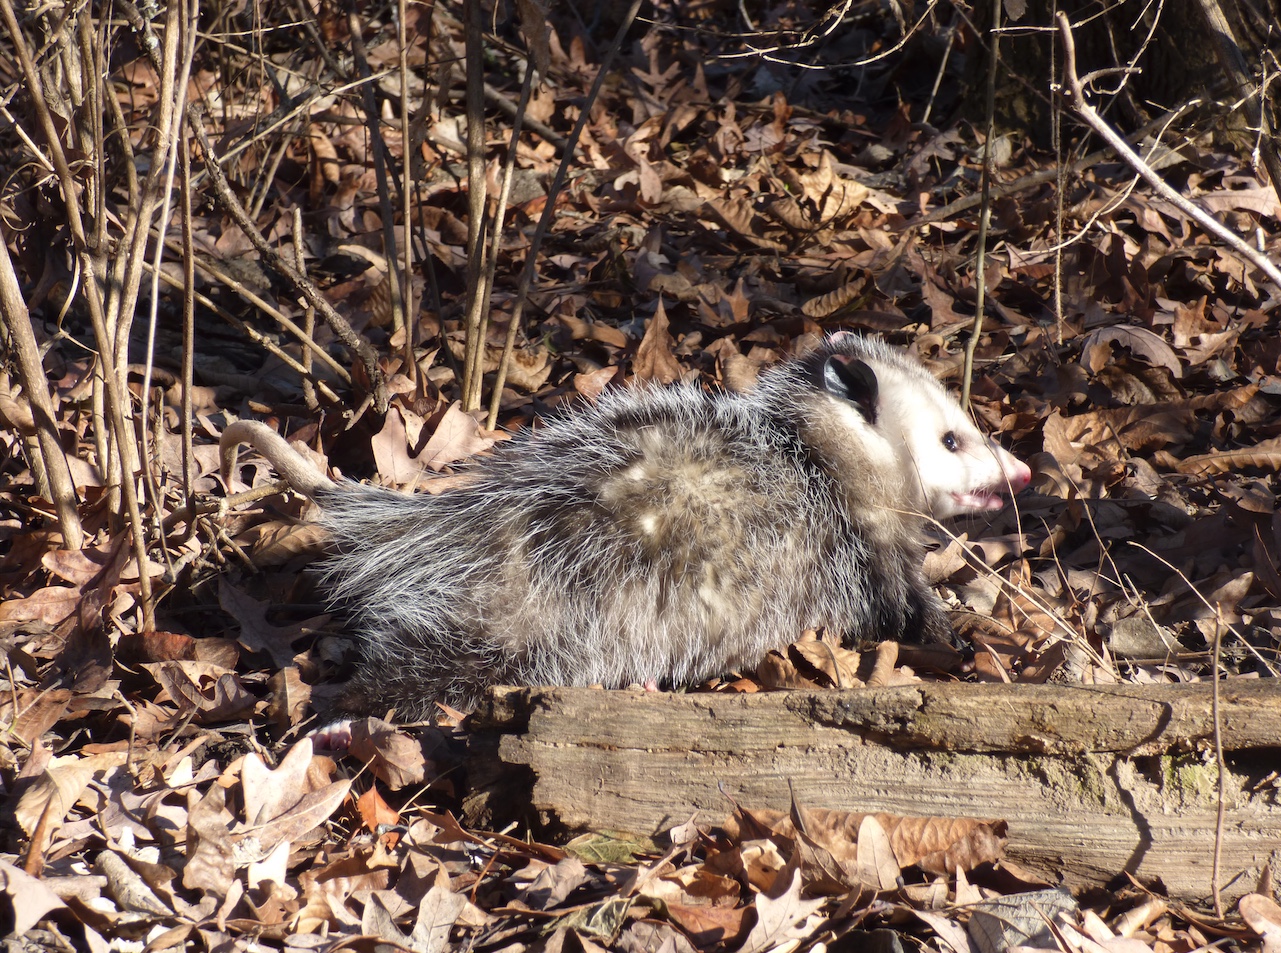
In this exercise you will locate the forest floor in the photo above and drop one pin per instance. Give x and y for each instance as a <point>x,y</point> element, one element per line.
<point>721,214</point>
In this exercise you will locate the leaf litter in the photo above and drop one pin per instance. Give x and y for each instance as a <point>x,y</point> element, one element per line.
<point>161,786</point>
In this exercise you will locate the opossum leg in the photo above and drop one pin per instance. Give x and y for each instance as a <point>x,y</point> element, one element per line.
<point>927,620</point>
<point>457,675</point>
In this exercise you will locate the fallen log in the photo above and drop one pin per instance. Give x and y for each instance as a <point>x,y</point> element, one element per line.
<point>1092,780</point>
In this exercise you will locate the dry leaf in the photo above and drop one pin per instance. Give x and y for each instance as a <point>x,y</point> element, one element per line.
<point>554,884</point>
<point>47,801</point>
<point>30,900</point>
<point>936,844</point>
<point>376,812</point>
<point>1263,915</point>
<point>834,301</point>
<point>391,754</point>
<point>457,437</point>
<point>1139,341</point>
<point>1264,456</point>
<point>256,633</point>
<point>1018,920</point>
<point>874,856</point>
<point>786,918</point>
<point>654,359</point>
<point>210,866</point>
<point>706,924</point>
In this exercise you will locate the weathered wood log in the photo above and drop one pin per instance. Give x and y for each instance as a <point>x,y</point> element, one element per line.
<point>1093,781</point>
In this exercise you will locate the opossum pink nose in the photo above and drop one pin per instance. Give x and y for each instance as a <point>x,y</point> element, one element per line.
<point>1019,476</point>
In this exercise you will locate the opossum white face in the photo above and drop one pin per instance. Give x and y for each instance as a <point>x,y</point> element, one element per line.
<point>951,465</point>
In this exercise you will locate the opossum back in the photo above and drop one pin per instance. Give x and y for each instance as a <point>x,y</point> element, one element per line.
<point>666,481</point>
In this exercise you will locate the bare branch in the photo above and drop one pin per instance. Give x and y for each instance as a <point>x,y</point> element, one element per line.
<point>1075,95</point>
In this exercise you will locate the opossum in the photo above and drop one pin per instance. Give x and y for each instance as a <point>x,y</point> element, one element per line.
<point>661,534</point>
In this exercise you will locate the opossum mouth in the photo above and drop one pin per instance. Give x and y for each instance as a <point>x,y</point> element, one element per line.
<point>977,501</point>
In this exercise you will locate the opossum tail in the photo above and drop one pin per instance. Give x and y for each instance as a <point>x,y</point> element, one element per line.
<point>293,468</point>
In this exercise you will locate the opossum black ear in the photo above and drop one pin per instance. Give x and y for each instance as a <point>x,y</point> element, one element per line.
<point>853,381</point>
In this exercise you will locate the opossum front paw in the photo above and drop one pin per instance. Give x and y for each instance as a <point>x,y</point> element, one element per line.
<point>333,738</point>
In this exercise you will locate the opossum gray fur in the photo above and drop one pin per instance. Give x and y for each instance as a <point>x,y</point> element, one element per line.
<point>659,534</point>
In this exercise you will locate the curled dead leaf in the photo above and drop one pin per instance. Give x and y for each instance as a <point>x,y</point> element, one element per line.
<point>1265,455</point>
<point>836,300</point>
<point>30,900</point>
<point>593,383</point>
<point>457,436</point>
<point>785,209</point>
<point>835,195</point>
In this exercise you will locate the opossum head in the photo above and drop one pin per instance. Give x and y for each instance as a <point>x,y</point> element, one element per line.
<point>909,421</point>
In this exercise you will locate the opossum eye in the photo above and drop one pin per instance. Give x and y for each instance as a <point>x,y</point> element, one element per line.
<point>949,441</point>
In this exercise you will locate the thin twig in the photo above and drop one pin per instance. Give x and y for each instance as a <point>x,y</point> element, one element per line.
<point>211,271</point>
<point>503,103</point>
<point>188,332</point>
<point>1033,179</point>
<point>309,315</point>
<point>1265,663</point>
<point>938,77</point>
<point>128,261</point>
<point>1218,760</point>
<point>823,26</point>
<point>195,120</point>
<point>985,209</point>
<point>1060,188</point>
<point>474,347</point>
<point>93,297</point>
<point>187,37</point>
<point>262,340</point>
<point>113,319</point>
